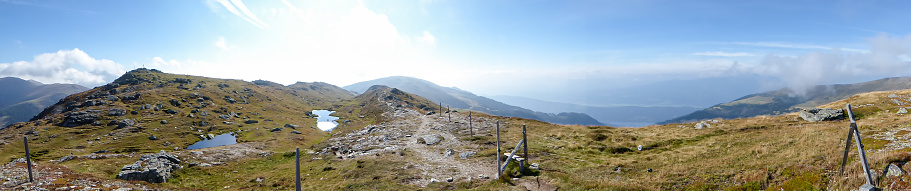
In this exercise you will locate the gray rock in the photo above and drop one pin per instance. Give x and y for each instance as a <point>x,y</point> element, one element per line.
<point>893,170</point>
<point>291,126</point>
<point>481,176</point>
<point>434,180</point>
<point>66,158</point>
<point>276,129</point>
<point>126,123</point>
<point>170,111</point>
<point>465,155</point>
<point>73,119</point>
<point>153,168</point>
<point>296,132</point>
<point>893,96</point>
<point>450,179</point>
<point>250,121</point>
<point>164,121</point>
<point>447,153</point>
<point>429,139</point>
<point>902,111</point>
<point>152,137</point>
<point>703,125</point>
<point>816,114</point>
<point>897,102</point>
<point>117,112</point>
<point>174,102</point>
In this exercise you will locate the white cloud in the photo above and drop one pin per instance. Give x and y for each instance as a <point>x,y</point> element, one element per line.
<point>794,46</point>
<point>428,39</point>
<point>64,66</point>
<point>222,44</point>
<point>724,54</point>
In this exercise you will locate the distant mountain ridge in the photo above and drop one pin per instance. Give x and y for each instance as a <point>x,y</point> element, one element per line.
<point>457,98</point>
<point>21,99</point>
<point>786,100</point>
<point>623,116</point>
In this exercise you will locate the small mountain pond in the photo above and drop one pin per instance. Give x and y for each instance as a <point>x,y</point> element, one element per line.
<point>220,140</point>
<point>324,121</point>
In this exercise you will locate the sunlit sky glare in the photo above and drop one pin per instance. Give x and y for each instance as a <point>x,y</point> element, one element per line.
<point>475,45</point>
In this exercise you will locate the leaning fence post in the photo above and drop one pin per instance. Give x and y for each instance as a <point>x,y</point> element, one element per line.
<point>449,111</point>
<point>441,109</point>
<point>297,169</point>
<point>28,158</point>
<point>498,149</point>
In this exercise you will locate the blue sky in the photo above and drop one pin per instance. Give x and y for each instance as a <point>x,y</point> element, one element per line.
<point>487,47</point>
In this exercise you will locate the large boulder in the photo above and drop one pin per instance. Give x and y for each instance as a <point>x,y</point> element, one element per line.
<point>80,118</point>
<point>816,114</point>
<point>153,168</point>
<point>429,139</point>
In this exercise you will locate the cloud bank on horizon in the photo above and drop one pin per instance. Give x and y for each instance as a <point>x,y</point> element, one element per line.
<point>481,48</point>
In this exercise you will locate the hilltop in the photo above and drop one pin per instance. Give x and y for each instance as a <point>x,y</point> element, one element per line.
<point>21,99</point>
<point>461,99</point>
<point>786,100</point>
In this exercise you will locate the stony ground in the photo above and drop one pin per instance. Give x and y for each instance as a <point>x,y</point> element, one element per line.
<point>48,176</point>
<point>439,161</point>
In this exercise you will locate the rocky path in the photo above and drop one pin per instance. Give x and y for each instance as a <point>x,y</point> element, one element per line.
<point>414,133</point>
<point>14,176</point>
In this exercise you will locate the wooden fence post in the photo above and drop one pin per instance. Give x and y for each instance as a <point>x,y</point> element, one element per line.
<point>498,149</point>
<point>449,111</point>
<point>525,138</point>
<point>469,124</point>
<point>28,158</point>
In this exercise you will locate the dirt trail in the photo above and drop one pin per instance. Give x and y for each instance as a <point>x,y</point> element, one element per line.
<point>433,161</point>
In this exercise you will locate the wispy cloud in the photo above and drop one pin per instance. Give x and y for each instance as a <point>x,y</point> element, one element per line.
<point>794,46</point>
<point>238,8</point>
<point>64,66</point>
<point>222,44</point>
<point>724,54</point>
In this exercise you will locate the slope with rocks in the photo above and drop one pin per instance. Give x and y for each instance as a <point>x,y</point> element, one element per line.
<point>786,100</point>
<point>461,99</point>
<point>21,100</point>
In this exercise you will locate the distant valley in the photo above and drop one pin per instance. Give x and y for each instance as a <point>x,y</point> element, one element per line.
<point>622,116</point>
<point>21,99</point>
<point>785,100</point>
<point>461,99</point>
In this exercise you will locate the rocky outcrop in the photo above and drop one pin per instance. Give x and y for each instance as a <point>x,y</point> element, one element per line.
<point>429,139</point>
<point>816,114</point>
<point>80,118</point>
<point>153,168</point>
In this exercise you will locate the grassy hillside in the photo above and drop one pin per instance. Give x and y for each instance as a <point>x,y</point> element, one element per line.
<point>461,99</point>
<point>760,153</point>
<point>786,100</point>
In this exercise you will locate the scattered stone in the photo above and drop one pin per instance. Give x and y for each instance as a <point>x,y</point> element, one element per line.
<point>897,102</point>
<point>902,111</point>
<point>152,137</point>
<point>276,129</point>
<point>893,170</point>
<point>703,125</point>
<point>535,166</point>
<point>291,126</point>
<point>153,168</point>
<point>893,96</point>
<point>134,112</point>
<point>431,113</point>
<point>126,123</point>
<point>117,112</point>
<point>447,153</point>
<point>80,118</point>
<point>250,121</point>
<point>164,121</point>
<point>296,132</point>
<point>66,158</point>
<point>483,176</point>
<point>450,179</point>
<point>170,111</point>
<point>174,102</point>
<point>816,114</point>
<point>434,180</point>
<point>465,155</point>
<point>429,139</point>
